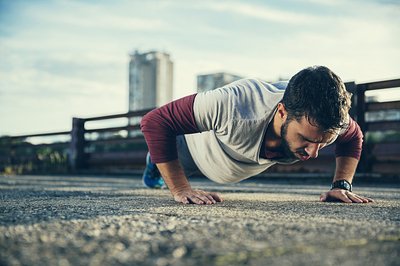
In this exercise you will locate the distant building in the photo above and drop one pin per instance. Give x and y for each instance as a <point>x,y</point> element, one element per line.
<point>209,82</point>
<point>150,80</point>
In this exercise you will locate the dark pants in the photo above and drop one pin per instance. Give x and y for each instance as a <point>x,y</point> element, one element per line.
<point>185,158</point>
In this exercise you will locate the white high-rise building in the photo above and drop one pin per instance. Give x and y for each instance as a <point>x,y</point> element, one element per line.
<point>212,81</point>
<point>150,80</point>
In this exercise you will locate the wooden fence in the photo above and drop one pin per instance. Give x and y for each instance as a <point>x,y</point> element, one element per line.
<point>381,153</point>
<point>122,149</point>
<point>95,150</point>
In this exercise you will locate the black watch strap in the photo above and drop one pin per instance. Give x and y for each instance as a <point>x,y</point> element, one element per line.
<point>343,184</point>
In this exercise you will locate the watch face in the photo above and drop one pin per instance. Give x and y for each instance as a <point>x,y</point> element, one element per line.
<point>343,184</point>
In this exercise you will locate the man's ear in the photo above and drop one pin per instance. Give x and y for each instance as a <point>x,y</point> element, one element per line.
<point>281,112</point>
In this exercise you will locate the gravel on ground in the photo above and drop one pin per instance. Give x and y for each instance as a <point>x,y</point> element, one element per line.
<point>66,220</point>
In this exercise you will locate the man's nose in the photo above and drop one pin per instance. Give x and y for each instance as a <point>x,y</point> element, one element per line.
<point>312,150</point>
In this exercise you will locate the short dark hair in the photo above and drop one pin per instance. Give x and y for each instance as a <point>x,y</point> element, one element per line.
<point>320,95</point>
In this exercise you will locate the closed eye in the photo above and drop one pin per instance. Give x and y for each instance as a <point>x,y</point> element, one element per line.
<point>309,140</point>
<point>323,144</point>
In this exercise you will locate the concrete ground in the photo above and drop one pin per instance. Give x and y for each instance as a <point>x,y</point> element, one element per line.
<point>47,220</point>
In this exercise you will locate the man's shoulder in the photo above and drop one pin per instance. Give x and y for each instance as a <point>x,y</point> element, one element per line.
<point>281,85</point>
<point>257,83</point>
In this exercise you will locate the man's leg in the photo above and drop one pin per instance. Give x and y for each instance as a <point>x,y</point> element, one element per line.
<point>185,158</point>
<point>151,176</point>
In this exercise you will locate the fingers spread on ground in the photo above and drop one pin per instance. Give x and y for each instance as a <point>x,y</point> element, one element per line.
<point>185,200</point>
<point>216,196</point>
<point>181,199</point>
<point>365,200</point>
<point>362,200</point>
<point>354,198</point>
<point>370,200</point>
<point>204,198</point>
<point>196,199</point>
<point>210,198</point>
<point>345,198</point>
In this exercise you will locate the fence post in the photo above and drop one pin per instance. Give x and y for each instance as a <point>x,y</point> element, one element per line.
<point>363,165</point>
<point>357,112</point>
<point>77,145</point>
<point>352,88</point>
<point>361,106</point>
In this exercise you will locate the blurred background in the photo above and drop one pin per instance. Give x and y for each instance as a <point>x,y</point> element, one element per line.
<point>92,59</point>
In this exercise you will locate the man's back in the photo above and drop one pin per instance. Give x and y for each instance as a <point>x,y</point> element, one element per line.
<point>233,120</point>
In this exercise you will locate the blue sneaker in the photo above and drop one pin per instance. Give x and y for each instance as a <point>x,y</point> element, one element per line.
<point>151,176</point>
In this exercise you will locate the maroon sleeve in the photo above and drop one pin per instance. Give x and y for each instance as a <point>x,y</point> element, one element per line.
<point>349,144</point>
<point>161,126</point>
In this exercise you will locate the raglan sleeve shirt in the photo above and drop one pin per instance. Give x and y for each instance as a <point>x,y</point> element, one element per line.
<point>349,144</point>
<point>161,126</point>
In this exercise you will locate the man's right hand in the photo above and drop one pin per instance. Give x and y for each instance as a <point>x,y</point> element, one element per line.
<point>180,188</point>
<point>196,196</point>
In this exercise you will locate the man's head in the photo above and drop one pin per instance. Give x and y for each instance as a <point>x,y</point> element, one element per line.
<point>320,96</point>
<point>314,108</point>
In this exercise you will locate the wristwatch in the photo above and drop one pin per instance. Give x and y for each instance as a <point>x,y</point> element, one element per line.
<point>343,184</point>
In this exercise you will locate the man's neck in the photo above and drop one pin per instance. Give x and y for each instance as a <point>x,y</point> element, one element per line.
<point>273,135</point>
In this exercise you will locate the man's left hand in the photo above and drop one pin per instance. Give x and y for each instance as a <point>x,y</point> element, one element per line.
<point>341,195</point>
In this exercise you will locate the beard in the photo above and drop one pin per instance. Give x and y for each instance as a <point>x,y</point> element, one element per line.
<point>285,146</point>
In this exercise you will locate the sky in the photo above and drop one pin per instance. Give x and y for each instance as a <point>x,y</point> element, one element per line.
<point>63,59</point>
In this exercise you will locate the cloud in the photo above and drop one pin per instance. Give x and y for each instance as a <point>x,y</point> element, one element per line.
<point>92,15</point>
<point>324,2</point>
<point>101,20</point>
<point>261,12</point>
<point>36,71</point>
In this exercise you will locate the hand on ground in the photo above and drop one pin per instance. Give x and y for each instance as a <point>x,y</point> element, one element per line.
<point>341,195</point>
<point>195,196</point>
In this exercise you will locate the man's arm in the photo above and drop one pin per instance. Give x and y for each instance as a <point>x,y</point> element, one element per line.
<point>160,128</point>
<point>180,188</point>
<point>345,168</point>
<point>348,152</point>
